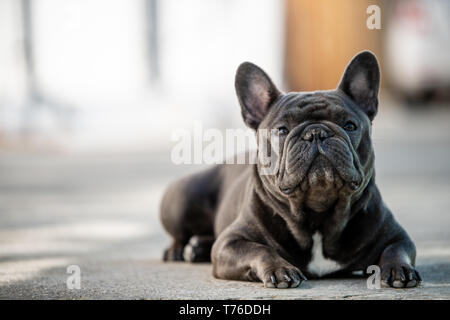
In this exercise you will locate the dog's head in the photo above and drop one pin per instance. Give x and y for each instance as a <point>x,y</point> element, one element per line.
<point>323,136</point>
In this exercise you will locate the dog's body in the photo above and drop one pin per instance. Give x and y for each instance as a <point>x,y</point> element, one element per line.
<point>319,214</point>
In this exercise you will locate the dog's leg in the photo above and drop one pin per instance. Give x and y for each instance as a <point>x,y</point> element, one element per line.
<point>397,265</point>
<point>188,208</point>
<point>174,252</point>
<point>198,249</point>
<point>240,259</point>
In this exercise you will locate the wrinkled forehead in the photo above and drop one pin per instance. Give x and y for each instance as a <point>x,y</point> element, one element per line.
<point>321,105</point>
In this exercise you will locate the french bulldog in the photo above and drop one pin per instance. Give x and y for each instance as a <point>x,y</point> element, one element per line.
<point>319,214</point>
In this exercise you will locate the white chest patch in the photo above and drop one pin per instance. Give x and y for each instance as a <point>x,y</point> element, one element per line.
<point>319,265</point>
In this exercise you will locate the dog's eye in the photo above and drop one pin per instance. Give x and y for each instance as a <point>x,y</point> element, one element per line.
<point>350,126</point>
<point>283,130</point>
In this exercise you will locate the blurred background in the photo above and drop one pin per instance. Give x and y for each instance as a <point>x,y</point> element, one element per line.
<point>91,92</point>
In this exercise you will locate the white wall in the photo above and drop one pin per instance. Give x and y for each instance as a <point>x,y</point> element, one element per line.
<point>12,86</point>
<point>91,56</point>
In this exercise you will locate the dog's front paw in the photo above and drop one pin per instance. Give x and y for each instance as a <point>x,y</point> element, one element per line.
<point>399,276</point>
<point>173,253</point>
<point>283,277</point>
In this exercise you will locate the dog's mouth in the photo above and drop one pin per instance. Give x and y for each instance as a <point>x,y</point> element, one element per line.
<point>318,164</point>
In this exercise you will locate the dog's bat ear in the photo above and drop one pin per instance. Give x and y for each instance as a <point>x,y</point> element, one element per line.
<point>256,93</point>
<point>361,82</point>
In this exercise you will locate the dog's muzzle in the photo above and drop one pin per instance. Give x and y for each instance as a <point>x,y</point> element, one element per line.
<point>302,149</point>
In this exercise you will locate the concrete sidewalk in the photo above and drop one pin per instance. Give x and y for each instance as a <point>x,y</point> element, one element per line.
<point>100,212</point>
<point>149,279</point>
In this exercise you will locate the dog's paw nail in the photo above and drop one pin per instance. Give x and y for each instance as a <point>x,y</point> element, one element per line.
<point>354,185</point>
<point>283,277</point>
<point>287,190</point>
<point>411,283</point>
<point>399,276</point>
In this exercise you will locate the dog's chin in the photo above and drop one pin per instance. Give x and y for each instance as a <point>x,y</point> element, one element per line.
<point>321,185</point>
<point>323,175</point>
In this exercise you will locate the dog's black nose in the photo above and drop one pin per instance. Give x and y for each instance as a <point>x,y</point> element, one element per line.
<point>315,133</point>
